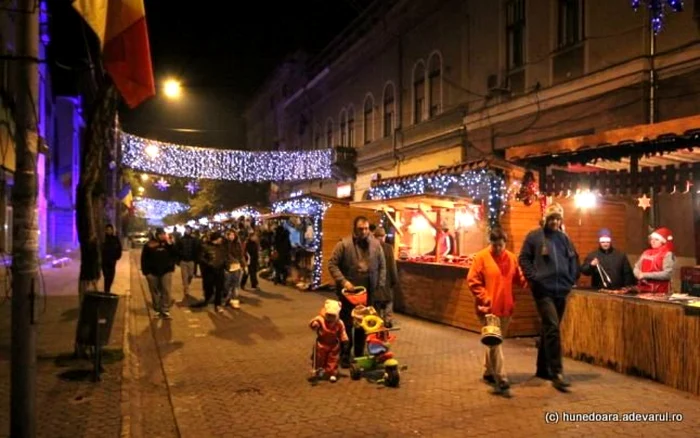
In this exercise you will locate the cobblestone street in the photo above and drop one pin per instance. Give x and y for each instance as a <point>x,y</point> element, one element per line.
<point>243,373</point>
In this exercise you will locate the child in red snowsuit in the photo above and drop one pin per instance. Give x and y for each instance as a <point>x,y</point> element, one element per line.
<point>331,334</point>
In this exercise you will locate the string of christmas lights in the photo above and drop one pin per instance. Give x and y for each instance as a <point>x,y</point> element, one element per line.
<point>234,165</point>
<point>245,211</point>
<point>157,209</point>
<point>657,10</point>
<point>315,209</point>
<point>479,185</point>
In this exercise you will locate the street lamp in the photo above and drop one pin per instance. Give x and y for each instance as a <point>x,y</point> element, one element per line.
<point>172,89</point>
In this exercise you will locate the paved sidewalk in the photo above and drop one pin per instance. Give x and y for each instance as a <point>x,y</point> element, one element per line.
<point>243,373</point>
<point>68,403</point>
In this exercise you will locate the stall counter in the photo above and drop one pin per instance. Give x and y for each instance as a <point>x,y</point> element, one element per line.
<point>654,339</point>
<point>439,292</point>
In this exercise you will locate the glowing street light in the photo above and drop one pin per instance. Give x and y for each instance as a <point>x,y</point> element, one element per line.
<point>141,190</point>
<point>172,89</point>
<point>144,177</point>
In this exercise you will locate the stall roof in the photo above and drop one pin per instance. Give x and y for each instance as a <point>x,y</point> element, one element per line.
<point>490,163</point>
<point>660,144</point>
<point>412,202</point>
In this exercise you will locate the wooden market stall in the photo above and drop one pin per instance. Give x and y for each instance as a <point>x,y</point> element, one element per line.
<point>649,176</point>
<point>329,221</point>
<point>465,199</point>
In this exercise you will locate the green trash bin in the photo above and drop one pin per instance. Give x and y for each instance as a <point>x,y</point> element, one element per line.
<point>96,318</point>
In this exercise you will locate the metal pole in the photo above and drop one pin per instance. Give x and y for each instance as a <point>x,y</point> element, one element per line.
<point>26,229</point>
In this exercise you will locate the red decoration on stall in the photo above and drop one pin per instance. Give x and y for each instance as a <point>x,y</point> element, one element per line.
<point>528,190</point>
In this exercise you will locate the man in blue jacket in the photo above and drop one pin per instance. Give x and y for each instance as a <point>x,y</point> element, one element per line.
<point>550,264</point>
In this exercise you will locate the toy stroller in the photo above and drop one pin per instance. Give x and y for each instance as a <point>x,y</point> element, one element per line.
<point>378,353</point>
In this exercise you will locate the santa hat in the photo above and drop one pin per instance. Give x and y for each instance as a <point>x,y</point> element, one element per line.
<point>604,236</point>
<point>332,307</point>
<point>554,209</point>
<point>663,234</point>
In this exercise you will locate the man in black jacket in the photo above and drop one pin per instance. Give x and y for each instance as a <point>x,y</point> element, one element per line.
<point>550,263</point>
<point>111,252</point>
<point>157,264</point>
<point>188,251</point>
<point>384,298</point>
<point>608,267</point>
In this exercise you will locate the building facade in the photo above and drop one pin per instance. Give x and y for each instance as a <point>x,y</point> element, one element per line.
<point>415,85</point>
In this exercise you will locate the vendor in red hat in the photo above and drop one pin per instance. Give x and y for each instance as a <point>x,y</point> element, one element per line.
<point>654,269</point>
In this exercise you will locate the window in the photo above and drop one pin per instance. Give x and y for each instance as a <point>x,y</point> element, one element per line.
<point>351,127</point>
<point>388,109</point>
<point>435,76</point>
<point>418,92</point>
<point>570,22</point>
<point>515,34</point>
<point>329,133</point>
<point>317,136</point>
<point>343,125</point>
<point>369,110</point>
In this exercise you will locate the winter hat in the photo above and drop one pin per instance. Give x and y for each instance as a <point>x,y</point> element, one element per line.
<point>332,307</point>
<point>604,236</point>
<point>554,209</point>
<point>663,234</point>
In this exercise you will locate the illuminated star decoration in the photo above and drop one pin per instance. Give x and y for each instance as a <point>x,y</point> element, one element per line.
<point>162,184</point>
<point>146,155</point>
<point>657,10</point>
<point>644,202</point>
<point>192,187</point>
<point>315,209</point>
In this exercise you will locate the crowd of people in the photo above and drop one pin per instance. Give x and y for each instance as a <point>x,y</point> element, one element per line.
<point>548,264</point>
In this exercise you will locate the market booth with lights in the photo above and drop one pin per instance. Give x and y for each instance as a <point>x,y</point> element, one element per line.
<point>323,221</point>
<point>632,180</point>
<point>465,200</point>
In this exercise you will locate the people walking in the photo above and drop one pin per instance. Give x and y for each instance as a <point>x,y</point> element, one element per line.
<point>187,249</point>
<point>111,253</point>
<point>213,258</point>
<point>157,264</point>
<point>251,251</point>
<point>384,298</point>
<point>235,265</point>
<point>357,260</point>
<point>491,278</point>
<point>550,263</point>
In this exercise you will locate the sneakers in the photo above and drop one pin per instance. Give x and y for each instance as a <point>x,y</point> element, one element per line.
<point>236,304</point>
<point>218,309</point>
<point>333,379</point>
<point>165,315</point>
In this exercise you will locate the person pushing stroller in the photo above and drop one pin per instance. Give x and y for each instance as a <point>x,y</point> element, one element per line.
<point>331,335</point>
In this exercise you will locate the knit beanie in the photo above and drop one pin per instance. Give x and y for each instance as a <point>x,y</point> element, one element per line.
<point>554,209</point>
<point>604,236</point>
<point>332,307</point>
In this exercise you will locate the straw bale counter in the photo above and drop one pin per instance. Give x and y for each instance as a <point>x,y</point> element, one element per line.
<point>657,340</point>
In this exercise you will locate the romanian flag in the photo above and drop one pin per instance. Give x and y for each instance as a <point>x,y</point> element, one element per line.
<point>126,197</point>
<point>120,26</point>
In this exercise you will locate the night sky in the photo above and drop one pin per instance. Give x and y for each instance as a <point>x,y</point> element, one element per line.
<point>221,55</point>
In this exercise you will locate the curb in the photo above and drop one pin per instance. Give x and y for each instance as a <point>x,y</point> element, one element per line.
<point>127,377</point>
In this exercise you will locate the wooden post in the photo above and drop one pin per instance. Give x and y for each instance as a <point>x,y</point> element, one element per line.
<point>696,219</point>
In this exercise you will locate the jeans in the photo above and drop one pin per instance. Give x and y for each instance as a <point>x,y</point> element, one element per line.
<point>160,291</point>
<point>551,310</point>
<point>232,284</point>
<point>109,270</point>
<point>187,272</point>
<point>493,357</point>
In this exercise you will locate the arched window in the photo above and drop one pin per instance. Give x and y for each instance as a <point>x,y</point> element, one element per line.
<point>368,118</point>
<point>418,92</point>
<point>329,133</point>
<point>435,84</point>
<point>388,109</point>
<point>318,135</point>
<point>343,125</point>
<point>351,126</point>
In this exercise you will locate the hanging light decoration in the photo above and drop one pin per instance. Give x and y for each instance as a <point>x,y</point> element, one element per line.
<point>657,10</point>
<point>192,187</point>
<point>162,184</point>
<point>156,208</point>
